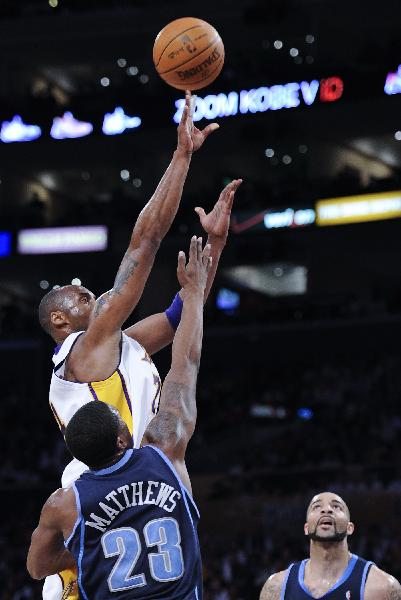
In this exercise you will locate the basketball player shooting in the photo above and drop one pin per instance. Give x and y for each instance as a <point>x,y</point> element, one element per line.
<point>94,359</point>
<point>130,522</point>
<point>331,571</point>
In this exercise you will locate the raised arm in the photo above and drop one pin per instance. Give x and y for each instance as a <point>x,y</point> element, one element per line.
<point>173,426</point>
<point>156,332</point>
<point>114,307</point>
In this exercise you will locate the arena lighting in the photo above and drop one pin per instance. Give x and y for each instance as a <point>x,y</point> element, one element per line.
<point>58,240</point>
<point>357,209</point>
<point>273,219</point>
<point>393,82</point>
<point>5,243</point>
<point>276,97</point>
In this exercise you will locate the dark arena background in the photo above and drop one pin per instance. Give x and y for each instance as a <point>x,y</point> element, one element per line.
<point>300,382</point>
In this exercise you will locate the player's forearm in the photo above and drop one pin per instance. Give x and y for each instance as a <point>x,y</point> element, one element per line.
<point>157,216</point>
<point>187,344</point>
<point>217,245</point>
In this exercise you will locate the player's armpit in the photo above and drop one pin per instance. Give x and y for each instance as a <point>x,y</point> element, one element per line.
<point>166,432</point>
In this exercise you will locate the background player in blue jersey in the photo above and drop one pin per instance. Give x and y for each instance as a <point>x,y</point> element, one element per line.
<point>331,572</point>
<point>130,522</point>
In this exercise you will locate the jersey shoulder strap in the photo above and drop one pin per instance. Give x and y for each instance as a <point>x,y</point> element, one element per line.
<point>61,352</point>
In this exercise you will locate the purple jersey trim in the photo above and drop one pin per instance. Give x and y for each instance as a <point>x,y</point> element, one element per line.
<point>92,392</point>
<point>126,394</point>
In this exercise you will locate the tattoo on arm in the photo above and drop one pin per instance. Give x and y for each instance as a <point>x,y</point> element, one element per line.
<point>100,305</point>
<point>125,271</point>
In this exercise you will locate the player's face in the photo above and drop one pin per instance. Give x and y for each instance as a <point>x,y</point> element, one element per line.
<point>327,519</point>
<point>79,303</point>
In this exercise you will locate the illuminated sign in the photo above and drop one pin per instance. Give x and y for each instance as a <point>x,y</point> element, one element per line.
<point>273,219</point>
<point>67,127</point>
<point>276,97</point>
<point>117,122</point>
<point>393,82</point>
<point>357,209</point>
<point>5,243</point>
<point>289,218</point>
<point>56,240</point>
<point>18,131</point>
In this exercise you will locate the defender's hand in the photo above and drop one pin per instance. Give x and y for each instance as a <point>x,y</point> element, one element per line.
<point>193,275</point>
<point>217,222</point>
<point>190,138</point>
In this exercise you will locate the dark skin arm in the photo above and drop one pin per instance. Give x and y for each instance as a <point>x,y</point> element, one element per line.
<point>155,332</point>
<point>95,355</point>
<point>47,554</point>
<point>173,426</point>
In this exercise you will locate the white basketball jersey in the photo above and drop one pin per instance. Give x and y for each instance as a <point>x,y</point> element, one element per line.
<point>133,389</point>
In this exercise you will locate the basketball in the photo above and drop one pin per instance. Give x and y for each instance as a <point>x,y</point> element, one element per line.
<point>188,53</point>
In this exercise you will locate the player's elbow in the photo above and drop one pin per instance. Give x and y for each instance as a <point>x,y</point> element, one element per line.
<point>35,570</point>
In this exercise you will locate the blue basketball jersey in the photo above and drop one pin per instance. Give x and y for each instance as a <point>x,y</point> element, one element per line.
<point>350,586</point>
<point>136,533</point>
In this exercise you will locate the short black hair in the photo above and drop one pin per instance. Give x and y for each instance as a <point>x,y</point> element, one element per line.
<point>91,435</point>
<point>53,300</point>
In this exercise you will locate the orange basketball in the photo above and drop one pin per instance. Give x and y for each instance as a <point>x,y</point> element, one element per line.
<point>188,53</point>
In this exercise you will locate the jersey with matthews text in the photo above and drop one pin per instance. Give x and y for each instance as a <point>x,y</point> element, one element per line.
<point>350,586</point>
<point>133,389</point>
<point>136,532</point>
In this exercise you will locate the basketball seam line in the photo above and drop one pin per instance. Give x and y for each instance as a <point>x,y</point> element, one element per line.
<point>191,58</point>
<point>174,38</point>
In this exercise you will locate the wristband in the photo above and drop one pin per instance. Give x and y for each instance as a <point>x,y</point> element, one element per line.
<point>173,313</point>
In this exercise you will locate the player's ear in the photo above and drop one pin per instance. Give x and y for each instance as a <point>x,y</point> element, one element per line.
<point>350,528</point>
<point>58,318</point>
<point>306,529</point>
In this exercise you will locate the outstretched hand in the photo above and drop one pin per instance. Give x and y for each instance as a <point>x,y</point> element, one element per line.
<point>217,222</point>
<point>192,276</point>
<point>190,138</point>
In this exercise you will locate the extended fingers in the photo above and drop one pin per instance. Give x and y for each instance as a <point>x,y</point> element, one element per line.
<point>181,262</point>
<point>193,249</point>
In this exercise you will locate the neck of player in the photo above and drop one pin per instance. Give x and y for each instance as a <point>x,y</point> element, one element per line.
<point>328,559</point>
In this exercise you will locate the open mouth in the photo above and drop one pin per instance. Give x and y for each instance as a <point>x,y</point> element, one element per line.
<point>326,522</point>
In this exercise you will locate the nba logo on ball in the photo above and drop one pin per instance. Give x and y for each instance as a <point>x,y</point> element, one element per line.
<point>188,53</point>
